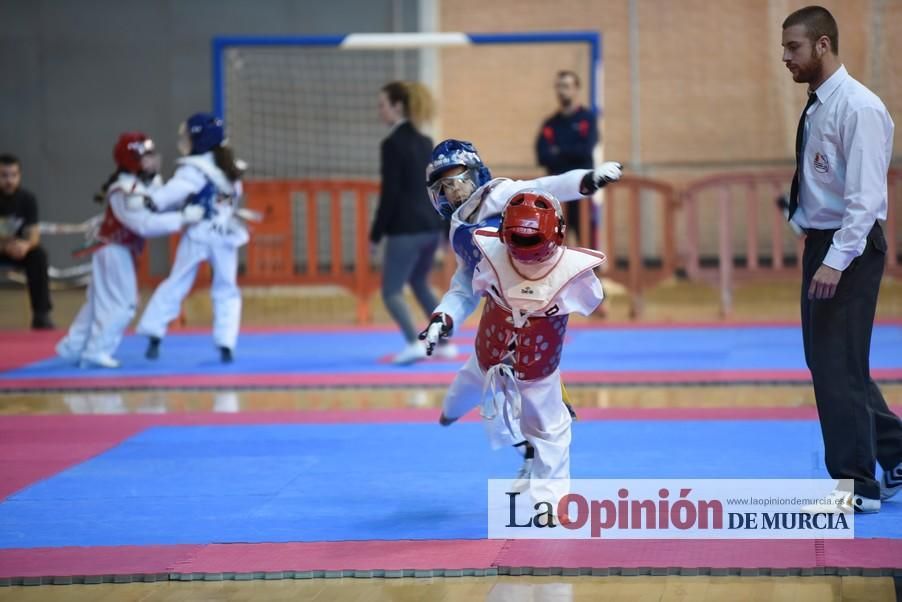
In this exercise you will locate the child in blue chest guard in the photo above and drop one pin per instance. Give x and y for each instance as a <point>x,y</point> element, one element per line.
<point>208,176</point>
<point>462,190</point>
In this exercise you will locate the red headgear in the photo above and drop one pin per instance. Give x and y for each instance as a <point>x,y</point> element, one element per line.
<point>532,226</point>
<point>129,149</point>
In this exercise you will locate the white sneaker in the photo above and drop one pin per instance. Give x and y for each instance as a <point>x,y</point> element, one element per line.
<point>845,502</point>
<point>445,352</point>
<point>414,352</point>
<point>521,483</point>
<point>891,482</point>
<point>101,360</point>
<point>67,353</point>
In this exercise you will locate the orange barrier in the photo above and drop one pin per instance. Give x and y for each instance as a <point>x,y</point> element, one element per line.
<point>313,233</point>
<point>748,197</point>
<point>626,207</point>
<point>316,232</point>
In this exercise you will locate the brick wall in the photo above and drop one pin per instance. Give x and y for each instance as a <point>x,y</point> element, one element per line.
<point>713,90</point>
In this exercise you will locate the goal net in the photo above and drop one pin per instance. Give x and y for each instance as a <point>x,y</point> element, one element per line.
<point>305,107</point>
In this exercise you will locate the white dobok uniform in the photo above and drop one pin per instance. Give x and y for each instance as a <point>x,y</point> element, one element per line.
<point>216,239</point>
<point>514,371</point>
<point>112,295</point>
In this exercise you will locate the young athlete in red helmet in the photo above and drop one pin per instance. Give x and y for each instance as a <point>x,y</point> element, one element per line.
<point>127,221</point>
<point>531,283</point>
<point>463,191</point>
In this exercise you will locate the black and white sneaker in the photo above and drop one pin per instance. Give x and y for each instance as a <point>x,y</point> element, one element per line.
<point>891,482</point>
<point>844,502</point>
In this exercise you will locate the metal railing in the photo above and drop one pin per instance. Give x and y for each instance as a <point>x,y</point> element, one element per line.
<point>317,233</point>
<point>723,199</point>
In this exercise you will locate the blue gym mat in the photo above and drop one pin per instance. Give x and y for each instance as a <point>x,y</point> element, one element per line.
<point>281,483</point>
<point>667,349</point>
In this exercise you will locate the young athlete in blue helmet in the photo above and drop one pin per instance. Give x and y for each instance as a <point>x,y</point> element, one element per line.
<point>463,191</point>
<point>207,175</point>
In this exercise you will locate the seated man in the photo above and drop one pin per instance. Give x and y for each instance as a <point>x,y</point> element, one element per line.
<point>20,239</point>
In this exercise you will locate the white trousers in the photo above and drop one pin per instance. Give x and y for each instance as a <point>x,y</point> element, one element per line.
<point>544,422</point>
<point>166,302</point>
<point>112,300</point>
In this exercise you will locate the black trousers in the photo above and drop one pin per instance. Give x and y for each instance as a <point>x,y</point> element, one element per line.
<point>857,426</point>
<point>35,266</point>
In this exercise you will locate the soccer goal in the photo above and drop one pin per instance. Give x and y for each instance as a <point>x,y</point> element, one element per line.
<point>305,107</point>
<point>302,111</point>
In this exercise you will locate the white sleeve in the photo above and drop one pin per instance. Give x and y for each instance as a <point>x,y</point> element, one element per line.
<point>867,134</point>
<point>564,187</point>
<point>142,221</point>
<point>582,296</point>
<point>186,181</point>
<point>460,300</point>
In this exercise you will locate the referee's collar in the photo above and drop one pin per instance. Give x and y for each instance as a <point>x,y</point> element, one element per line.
<point>832,84</point>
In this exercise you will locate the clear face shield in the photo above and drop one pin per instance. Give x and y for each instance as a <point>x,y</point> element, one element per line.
<point>150,163</point>
<point>148,157</point>
<point>452,190</point>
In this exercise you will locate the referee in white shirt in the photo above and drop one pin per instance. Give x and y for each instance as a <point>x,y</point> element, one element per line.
<point>843,149</point>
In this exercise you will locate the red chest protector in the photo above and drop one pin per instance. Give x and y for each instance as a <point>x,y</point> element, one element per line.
<point>113,231</point>
<point>532,343</point>
<point>533,350</point>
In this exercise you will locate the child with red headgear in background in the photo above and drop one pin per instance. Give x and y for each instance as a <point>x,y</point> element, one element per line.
<point>112,296</point>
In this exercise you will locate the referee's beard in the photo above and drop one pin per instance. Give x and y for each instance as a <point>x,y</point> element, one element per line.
<point>810,71</point>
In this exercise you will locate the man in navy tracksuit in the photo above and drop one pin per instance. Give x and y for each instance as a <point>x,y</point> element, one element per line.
<point>566,142</point>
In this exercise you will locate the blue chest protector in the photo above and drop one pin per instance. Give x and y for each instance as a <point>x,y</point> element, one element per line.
<point>463,244</point>
<point>206,198</point>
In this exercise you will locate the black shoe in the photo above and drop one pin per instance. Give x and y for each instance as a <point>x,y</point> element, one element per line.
<point>225,355</point>
<point>42,321</point>
<point>153,348</point>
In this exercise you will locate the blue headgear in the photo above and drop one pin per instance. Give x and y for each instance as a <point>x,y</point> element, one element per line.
<point>206,132</point>
<point>453,153</point>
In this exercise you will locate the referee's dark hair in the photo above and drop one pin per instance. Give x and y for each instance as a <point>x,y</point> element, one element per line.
<point>818,22</point>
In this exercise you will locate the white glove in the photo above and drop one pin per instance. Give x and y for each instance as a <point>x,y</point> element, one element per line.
<point>191,214</point>
<point>439,328</point>
<point>607,172</point>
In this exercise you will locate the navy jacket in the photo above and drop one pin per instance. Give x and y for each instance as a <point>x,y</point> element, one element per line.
<point>404,205</point>
<point>566,142</point>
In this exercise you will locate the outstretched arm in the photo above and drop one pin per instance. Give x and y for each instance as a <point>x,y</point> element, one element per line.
<point>460,300</point>
<point>576,183</point>
<point>130,210</point>
<point>186,181</point>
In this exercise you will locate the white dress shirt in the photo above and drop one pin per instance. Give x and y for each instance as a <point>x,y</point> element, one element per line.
<point>846,155</point>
